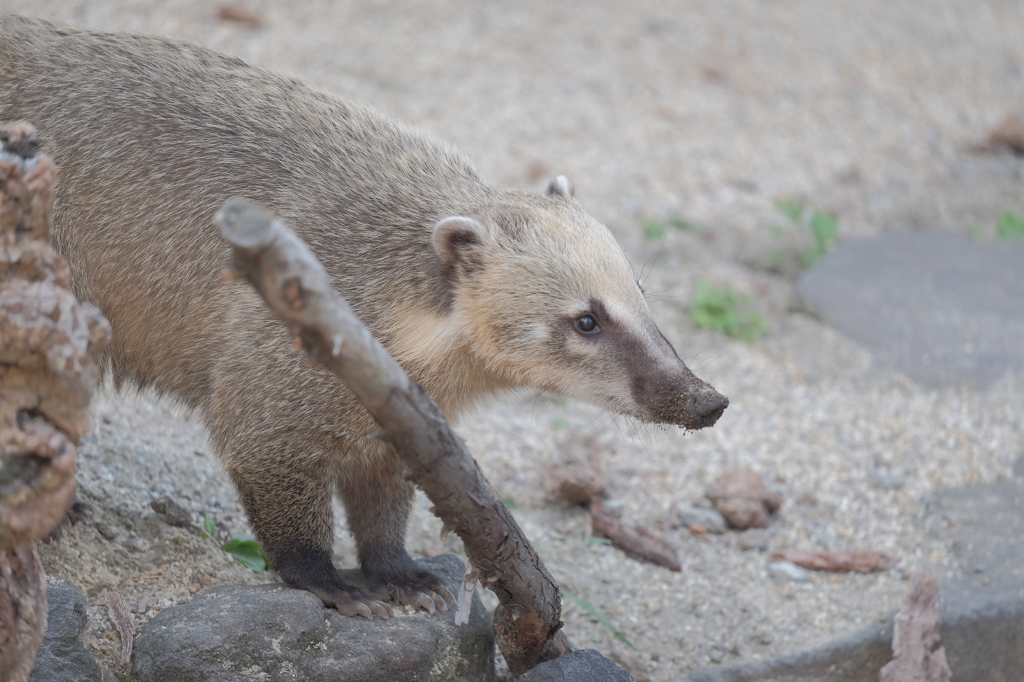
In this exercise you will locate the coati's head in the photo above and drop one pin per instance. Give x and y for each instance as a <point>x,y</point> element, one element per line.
<point>549,300</point>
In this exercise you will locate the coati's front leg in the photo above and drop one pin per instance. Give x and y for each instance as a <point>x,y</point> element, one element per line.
<point>289,509</point>
<point>378,501</point>
<point>288,436</point>
<point>286,492</point>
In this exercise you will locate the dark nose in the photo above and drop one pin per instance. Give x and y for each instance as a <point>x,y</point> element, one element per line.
<point>707,406</point>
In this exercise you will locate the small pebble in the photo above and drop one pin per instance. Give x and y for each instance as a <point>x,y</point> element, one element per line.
<point>134,544</point>
<point>887,479</point>
<point>784,570</point>
<point>754,539</point>
<point>106,531</point>
<point>172,512</point>
<point>709,519</point>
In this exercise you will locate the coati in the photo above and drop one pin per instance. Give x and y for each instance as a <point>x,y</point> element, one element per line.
<point>473,289</point>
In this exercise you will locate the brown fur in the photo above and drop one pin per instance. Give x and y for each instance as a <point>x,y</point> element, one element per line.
<point>473,289</point>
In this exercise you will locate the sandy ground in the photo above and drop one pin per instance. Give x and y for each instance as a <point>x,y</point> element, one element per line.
<point>709,111</point>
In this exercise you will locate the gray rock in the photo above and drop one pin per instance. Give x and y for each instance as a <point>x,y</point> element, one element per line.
<point>585,665</point>
<point>942,309</point>
<point>709,519</point>
<point>784,570</point>
<point>857,658</point>
<point>1018,467</point>
<point>986,538</point>
<point>237,633</point>
<point>62,656</point>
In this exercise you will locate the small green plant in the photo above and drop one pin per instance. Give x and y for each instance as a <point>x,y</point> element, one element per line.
<point>510,503</point>
<point>1010,225</point>
<point>722,309</point>
<point>682,223</point>
<point>209,527</point>
<point>656,228</point>
<point>247,552</point>
<point>791,208</point>
<point>823,228</point>
<point>598,616</point>
<point>597,540</point>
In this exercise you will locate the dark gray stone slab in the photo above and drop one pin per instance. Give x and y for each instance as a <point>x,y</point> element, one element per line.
<point>239,633</point>
<point>585,665</point>
<point>942,309</point>
<point>983,613</point>
<point>987,523</point>
<point>984,643</point>
<point>856,658</point>
<point>62,656</point>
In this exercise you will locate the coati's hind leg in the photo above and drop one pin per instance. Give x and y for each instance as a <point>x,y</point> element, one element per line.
<point>378,501</point>
<point>289,509</point>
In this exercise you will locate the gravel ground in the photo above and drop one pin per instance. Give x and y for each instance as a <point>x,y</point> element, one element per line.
<point>710,112</point>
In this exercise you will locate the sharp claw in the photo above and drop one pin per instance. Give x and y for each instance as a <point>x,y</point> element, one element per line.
<point>380,610</point>
<point>425,602</point>
<point>438,601</point>
<point>364,610</point>
<point>448,596</point>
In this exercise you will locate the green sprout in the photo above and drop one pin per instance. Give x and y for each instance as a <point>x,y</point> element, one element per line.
<point>247,552</point>
<point>654,228</point>
<point>823,228</point>
<point>209,527</point>
<point>725,311</point>
<point>1010,225</point>
<point>657,228</point>
<point>598,616</point>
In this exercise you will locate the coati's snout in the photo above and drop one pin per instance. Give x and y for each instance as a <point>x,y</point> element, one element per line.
<point>663,386</point>
<point>707,405</point>
<point>680,399</point>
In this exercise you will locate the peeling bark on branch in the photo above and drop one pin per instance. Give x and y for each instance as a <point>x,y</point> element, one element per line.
<point>48,346</point>
<point>296,288</point>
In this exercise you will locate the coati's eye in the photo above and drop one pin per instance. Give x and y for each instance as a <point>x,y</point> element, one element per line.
<point>586,324</point>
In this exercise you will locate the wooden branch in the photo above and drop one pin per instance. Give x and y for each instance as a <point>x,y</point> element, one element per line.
<point>636,541</point>
<point>295,286</point>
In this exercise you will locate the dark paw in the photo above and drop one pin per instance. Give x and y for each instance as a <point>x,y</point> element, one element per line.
<point>420,590</point>
<point>311,569</point>
<point>352,601</point>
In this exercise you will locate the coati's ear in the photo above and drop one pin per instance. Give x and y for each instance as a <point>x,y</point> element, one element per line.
<point>561,187</point>
<point>456,238</point>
